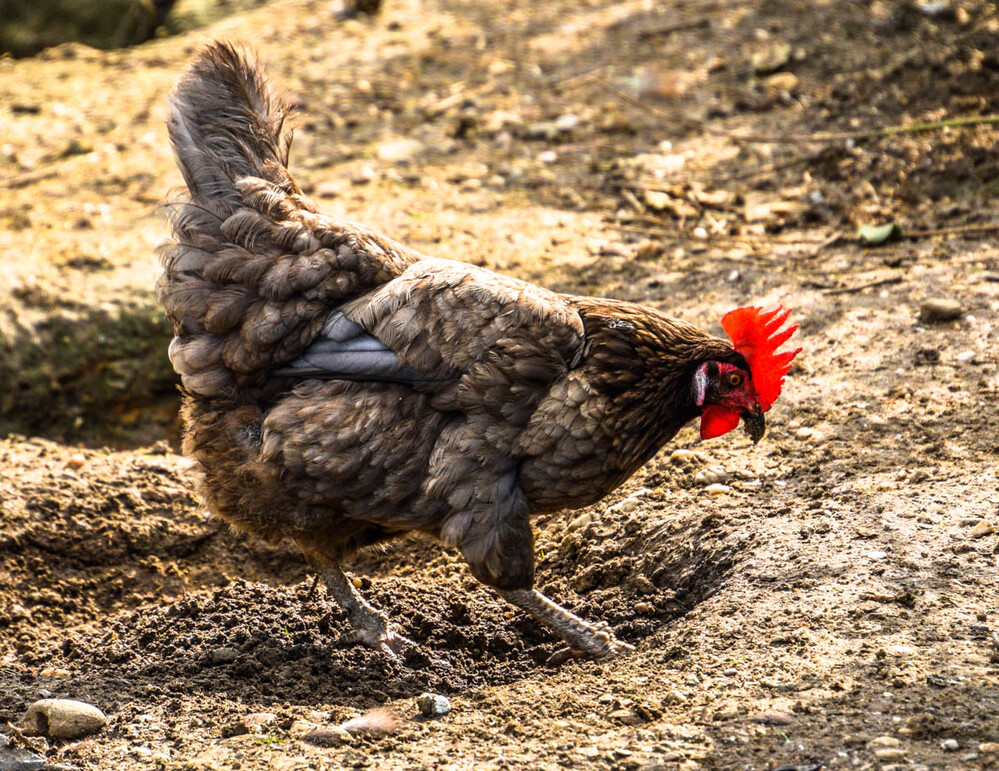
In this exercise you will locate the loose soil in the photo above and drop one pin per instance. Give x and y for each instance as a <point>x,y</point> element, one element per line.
<point>837,605</point>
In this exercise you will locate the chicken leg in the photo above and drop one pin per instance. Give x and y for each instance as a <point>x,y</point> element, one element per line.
<point>370,625</point>
<point>591,640</point>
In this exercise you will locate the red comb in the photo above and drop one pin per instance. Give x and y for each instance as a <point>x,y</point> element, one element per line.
<point>757,335</point>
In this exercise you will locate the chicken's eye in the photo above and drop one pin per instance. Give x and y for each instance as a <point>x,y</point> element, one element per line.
<point>735,380</point>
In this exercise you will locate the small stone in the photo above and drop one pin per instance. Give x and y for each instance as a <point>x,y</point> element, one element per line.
<point>771,59</point>
<point>939,309</point>
<point>433,704</point>
<point>547,157</point>
<point>329,736</point>
<point>18,759</point>
<point>567,122</point>
<point>65,719</point>
<point>884,741</point>
<point>681,457</point>
<point>649,250</point>
<point>299,729</point>
<point>711,475</point>
<point>363,175</point>
<point>782,82</point>
<point>643,607</point>
<point>772,717</point>
<point>626,716</point>
<point>400,151</point>
<point>256,721</point>
<point>700,233</point>
<point>543,130</point>
<point>331,188</point>
<point>77,461</point>
<point>223,655</point>
<point>950,745</point>
<point>717,489</point>
<point>982,528</point>
<point>890,753</point>
<point>988,748</point>
<point>965,356</point>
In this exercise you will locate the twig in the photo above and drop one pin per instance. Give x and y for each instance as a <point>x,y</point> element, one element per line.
<point>29,178</point>
<point>669,29</point>
<point>862,287</point>
<point>820,137</point>
<point>957,230</point>
<point>312,590</point>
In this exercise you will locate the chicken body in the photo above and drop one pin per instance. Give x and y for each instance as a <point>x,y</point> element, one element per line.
<point>341,389</point>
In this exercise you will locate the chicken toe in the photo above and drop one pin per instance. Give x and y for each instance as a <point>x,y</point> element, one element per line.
<point>370,626</point>
<point>594,641</point>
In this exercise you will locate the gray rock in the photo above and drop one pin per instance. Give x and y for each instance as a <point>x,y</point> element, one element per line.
<point>223,655</point>
<point>433,704</point>
<point>17,759</point>
<point>938,309</point>
<point>63,719</point>
<point>950,745</point>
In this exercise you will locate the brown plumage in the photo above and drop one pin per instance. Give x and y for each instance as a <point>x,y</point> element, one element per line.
<point>341,389</point>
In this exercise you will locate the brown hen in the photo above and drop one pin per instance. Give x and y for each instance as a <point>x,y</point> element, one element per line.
<point>341,389</point>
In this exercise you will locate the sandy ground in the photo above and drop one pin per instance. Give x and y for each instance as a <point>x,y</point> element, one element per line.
<point>837,605</point>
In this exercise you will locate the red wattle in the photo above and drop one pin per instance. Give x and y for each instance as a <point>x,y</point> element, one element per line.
<point>716,421</point>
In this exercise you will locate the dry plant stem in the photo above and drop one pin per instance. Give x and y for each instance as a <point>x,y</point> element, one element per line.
<point>592,640</point>
<point>862,287</point>
<point>825,136</point>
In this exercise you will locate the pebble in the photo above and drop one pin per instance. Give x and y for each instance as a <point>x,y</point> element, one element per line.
<point>329,736</point>
<point>890,753</point>
<point>982,528</point>
<point>400,150</point>
<point>331,188</point>
<point>717,489</point>
<point>547,157</point>
<point>542,130</point>
<point>567,122</point>
<point>988,748</point>
<point>223,655</point>
<point>682,456</point>
<point>256,721</point>
<point>299,729</point>
<point>711,475</point>
<point>782,81</point>
<point>63,719</point>
<point>643,607</point>
<point>939,309</point>
<point>884,741</point>
<point>772,717</point>
<point>433,704</point>
<point>77,461</point>
<point>17,759</point>
<point>626,716</point>
<point>950,745</point>
<point>965,356</point>
<point>649,250</point>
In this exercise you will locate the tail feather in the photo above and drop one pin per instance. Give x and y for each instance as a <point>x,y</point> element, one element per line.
<point>254,269</point>
<point>225,126</point>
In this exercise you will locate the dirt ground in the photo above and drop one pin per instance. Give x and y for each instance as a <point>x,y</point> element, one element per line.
<point>836,605</point>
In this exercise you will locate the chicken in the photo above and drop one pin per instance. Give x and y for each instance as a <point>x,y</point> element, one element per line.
<point>341,389</point>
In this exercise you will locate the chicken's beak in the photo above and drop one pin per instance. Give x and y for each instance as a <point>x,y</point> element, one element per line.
<point>754,423</point>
